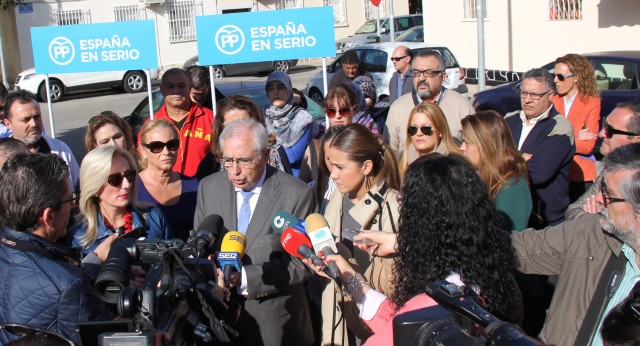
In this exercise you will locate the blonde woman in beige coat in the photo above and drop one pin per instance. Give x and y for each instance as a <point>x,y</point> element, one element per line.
<point>366,174</point>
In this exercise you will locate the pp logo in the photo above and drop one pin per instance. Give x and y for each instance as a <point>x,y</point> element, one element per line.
<point>61,51</point>
<point>229,39</point>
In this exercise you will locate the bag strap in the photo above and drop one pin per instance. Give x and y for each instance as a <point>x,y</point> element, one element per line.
<point>607,286</point>
<point>313,151</point>
<point>284,159</point>
<point>379,198</point>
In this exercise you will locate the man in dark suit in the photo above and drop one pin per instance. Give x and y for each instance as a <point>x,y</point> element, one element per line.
<point>271,284</point>
<point>401,81</point>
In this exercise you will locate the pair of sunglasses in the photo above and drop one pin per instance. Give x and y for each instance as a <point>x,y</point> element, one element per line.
<point>609,130</point>
<point>115,179</point>
<point>157,147</point>
<point>425,129</point>
<point>332,112</point>
<point>562,77</point>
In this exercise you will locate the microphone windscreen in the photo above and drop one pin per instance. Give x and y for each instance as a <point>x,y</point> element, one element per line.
<point>283,220</point>
<point>315,222</point>
<point>234,241</point>
<point>212,223</point>
<point>291,240</point>
<point>319,233</point>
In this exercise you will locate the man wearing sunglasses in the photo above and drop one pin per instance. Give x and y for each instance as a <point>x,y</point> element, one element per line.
<point>193,122</point>
<point>44,284</point>
<point>428,70</point>
<point>271,286</point>
<point>402,80</point>
<point>595,256</point>
<point>621,127</point>
<point>545,139</point>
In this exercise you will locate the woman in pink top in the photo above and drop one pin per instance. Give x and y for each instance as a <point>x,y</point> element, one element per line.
<point>448,230</point>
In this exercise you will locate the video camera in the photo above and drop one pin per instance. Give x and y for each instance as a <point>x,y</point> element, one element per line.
<point>174,305</point>
<point>457,320</point>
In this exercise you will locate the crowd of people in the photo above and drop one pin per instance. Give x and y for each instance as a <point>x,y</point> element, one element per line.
<point>516,207</point>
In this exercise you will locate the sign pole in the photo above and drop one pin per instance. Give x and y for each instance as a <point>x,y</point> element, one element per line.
<point>46,84</point>
<point>149,94</point>
<point>212,89</point>
<point>325,87</point>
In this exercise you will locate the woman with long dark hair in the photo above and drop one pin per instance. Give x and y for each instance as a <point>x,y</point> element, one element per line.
<point>448,231</point>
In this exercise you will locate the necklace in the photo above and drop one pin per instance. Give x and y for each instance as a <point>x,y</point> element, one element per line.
<point>124,229</point>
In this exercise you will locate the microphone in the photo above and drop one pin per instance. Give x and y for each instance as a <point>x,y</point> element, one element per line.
<point>322,239</point>
<point>205,236</point>
<point>230,256</point>
<point>283,220</point>
<point>298,245</point>
<point>301,227</point>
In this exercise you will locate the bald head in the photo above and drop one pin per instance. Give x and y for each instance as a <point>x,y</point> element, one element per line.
<point>401,59</point>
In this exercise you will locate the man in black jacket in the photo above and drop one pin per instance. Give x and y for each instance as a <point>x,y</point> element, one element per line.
<point>44,284</point>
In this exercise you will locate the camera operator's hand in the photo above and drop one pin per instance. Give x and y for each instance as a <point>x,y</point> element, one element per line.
<point>235,280</point>
<point>137,276</point>
<point>385,243</point>
<point>102,251</point>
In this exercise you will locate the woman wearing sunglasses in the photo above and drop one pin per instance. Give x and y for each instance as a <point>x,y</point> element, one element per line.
<point>578,98</point>
<point>340,105</point>
<point>173,193</point>
<point>428,132</point>
<point>366,175</point>
<point>488,145</point>
<point>108,201</point>
<point>107,128</point>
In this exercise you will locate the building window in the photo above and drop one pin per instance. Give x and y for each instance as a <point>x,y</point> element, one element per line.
<point>286,4</point>
<point>72,17</point>
<point>182,19</point>
<point>339,11</point>
<point>565,9</point>
<point>371,11</point>
<point>128,12</point>
<point>471,9</point>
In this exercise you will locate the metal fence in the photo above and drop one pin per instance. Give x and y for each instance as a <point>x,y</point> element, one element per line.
<point>339,11</point>
<point>370,10</point>
<point>72,17</point>
<point>182,19</point>
<point>285,4</point>
<point>128,12</point>
<point>565,9</point>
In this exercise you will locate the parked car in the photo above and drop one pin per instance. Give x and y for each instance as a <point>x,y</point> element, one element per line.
<point>60,84</point>
<point>252,89</point>
<point>367,33</point>
<point>246,68</point>
<point>415,34</point>
<point>616,75</point>
<point>375,58</point>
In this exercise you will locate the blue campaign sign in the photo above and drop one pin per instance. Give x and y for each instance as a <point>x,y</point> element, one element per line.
<point>95,47</point>
<point>266,35</point>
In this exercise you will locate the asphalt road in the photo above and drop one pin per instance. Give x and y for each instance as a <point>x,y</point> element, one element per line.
<point>72,113</point>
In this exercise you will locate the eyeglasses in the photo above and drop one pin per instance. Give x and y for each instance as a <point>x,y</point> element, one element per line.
<point>398,58</point>
<point>157,147</point>
<point>609,130</point>
<point>427,73</point>
<point>72,199</point>
<point>30,331</point>
<point>115,179</point>
<point>562,77</point>
<point>534,96</point>
<point>425,129</point>
<point>332,112</point>
<point>605,195</point>
<point>244,162</point>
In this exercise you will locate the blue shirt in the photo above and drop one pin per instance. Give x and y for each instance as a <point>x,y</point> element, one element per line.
<point>629,279</point>
<point>4,131</point>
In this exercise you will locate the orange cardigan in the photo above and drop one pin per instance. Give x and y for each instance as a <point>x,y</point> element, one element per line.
<point>581,114</point>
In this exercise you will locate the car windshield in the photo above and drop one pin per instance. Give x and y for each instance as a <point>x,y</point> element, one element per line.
<point>411,35</point>
<point>368,27</point>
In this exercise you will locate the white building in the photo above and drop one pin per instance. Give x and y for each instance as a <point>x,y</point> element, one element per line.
<point>522,34</point>
<point>175,24</point>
